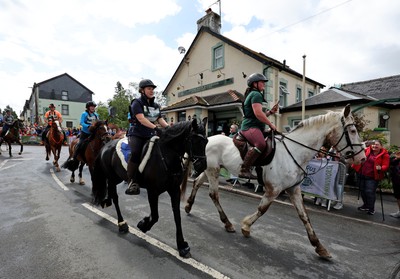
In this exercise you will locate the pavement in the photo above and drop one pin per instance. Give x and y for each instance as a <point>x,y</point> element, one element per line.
<point>384,205</point>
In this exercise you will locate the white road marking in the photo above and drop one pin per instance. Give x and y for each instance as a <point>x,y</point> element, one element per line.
<point>58,180</point>
<point>190,261</point>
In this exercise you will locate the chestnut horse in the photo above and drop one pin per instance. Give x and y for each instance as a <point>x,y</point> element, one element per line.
<point>54,143</point>
<point>12,135</point>
<point>286,170</point>
<point>99,136</point>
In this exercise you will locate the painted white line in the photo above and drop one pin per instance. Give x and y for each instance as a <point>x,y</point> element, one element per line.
<point>8,167</point>
<point>202,267</point>
<point>3,163</point>
<point>58,181</point>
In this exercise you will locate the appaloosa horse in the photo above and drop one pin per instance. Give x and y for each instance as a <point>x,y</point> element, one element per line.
<point>287,168</point>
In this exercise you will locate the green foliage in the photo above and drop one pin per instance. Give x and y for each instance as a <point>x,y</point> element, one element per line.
<point>385,183</point>
<point>369,134</point>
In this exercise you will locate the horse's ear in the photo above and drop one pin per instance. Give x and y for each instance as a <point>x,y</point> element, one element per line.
<point>195,126</point>
<point>346,110</point>
<point>205,119</point>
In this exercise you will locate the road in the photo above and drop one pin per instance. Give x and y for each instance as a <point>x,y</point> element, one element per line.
<point>49,229</point>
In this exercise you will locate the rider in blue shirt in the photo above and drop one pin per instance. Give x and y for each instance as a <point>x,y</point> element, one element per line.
<point>87,118</point>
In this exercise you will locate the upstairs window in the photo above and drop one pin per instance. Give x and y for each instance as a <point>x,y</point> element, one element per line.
<point>64,109</point>
<point>64,95</point>
<point>298,95</point>
<point>283,95</point>
<point>218,57</point>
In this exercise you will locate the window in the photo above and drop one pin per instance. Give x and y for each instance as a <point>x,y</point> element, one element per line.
<point>283,94</point>
<point>69,124</point>
<point>64,95</point>
<point>295,122</point>
<point>64,109</point>
<point>181,116</point>
<point>298,95</point>
<point>218,57</point>
<point>310,94</point>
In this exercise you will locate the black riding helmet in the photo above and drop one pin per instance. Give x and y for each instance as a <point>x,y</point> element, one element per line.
<point>90,103</point>
<point>254,78</point>
<point>146,83</point>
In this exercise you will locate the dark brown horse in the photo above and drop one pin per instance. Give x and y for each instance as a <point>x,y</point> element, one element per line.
<point>54,143</point>
<point>12,136</point>
<point>99,136</point>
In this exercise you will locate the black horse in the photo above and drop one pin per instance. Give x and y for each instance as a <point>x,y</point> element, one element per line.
<point>164,171</point>
<point>12,135</point>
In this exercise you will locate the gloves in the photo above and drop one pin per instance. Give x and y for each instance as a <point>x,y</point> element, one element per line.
<point>157,131</point>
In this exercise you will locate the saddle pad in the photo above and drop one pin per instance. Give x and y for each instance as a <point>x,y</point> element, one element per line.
<point>123,151</point>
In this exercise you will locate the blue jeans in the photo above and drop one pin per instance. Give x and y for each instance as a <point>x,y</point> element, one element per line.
<point>367,186</point>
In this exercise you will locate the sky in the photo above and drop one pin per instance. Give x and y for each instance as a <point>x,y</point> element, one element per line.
<point>101,42</point>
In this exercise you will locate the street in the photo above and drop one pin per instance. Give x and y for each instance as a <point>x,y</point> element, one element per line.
<point>50,229</point>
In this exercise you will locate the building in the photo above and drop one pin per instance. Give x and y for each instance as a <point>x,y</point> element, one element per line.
<point>66,93</point>
<point>211,79</point>
<point>377,100</point>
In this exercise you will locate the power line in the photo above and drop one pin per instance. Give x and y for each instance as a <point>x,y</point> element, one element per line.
<point>307,18</point>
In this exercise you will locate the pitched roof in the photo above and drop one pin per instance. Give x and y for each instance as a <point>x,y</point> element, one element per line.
<point>381,88</point>
<point>225,98</point>
<point>65,74</point>
<point>255,55</point>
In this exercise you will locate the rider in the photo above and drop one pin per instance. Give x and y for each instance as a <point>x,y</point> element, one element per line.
<point>8,121</point>
<point>254,121</point>
<point>49,116</point>
<point>87,118</point>
<point>144,113</point>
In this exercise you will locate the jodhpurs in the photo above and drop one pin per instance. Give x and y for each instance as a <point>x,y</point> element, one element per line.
<point>255,137</point>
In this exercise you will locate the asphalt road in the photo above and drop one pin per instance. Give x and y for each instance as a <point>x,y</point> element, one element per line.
<point>49,229</point>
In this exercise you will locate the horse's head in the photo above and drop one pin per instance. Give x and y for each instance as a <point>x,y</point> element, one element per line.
<point>196,145</point>
<point>348,142</point>
<point>56,124</point>
<point>99,129</point>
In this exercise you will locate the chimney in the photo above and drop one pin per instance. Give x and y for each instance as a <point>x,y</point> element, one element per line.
<point>210,20</point>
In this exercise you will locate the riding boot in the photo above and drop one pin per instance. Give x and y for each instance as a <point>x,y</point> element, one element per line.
<point>249,159</point>
<point>133,187</point>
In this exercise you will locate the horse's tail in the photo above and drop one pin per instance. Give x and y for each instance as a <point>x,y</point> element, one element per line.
<point>188,170</point>
<point>99,181</point>
<point>71,165</point>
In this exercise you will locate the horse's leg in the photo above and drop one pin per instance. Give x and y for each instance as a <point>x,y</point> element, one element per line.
<point>266,200</point>
<point>9,149</point>
<point>81,181</point>
<point>183,246</point>
<point>72,178</point>
<point>47,148</point>
<point>112,193</point>
<point>22,147</point>
<point>56,157</point>
<point>147,222</point>
<point>196,185</point>
<point>297,200</point>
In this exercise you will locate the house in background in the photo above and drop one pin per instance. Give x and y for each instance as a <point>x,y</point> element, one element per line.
<point>212,77</point>
<point>66,93</point>
<point>377,100</point>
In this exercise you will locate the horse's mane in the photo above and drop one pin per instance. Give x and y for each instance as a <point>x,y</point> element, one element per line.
<point>177,130</point>
<point>93,128</point>
<point>315,120</point>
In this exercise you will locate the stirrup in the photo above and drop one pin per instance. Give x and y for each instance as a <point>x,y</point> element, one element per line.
<point>247,175</point>
<point>133,189</point>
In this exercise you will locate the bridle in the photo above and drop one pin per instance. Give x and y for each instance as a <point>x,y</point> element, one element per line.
<point>350,153</point>
<point>196,159</point>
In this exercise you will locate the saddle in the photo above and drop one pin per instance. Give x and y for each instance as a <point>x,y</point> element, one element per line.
<point>266,156</point>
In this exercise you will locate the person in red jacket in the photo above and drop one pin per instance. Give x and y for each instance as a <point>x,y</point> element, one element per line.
<point>370,173</point>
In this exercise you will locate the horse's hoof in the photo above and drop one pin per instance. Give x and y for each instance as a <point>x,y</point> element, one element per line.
<point>185,252</point>
<point>123,227</point>
<point>58,169</point>
<point>245,233</point>
<point>188,208</point>
<point>142,225</point>
<point>47,158</point>
<point>81,182</point>
<point>19,153</point>
<point>230,228</point>
<point>323,253</point>
<point>72,180</point>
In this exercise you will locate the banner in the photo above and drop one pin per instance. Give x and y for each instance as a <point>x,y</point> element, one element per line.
<point>321,179</point>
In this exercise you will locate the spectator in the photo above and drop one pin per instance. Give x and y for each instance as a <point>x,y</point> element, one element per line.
<point>370,173</point>
<point>233,130</point>
<point>395,174</point>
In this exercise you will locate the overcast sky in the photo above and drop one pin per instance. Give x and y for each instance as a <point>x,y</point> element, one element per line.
<point>100,42</point>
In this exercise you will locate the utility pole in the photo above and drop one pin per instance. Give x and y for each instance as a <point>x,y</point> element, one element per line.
<point>303,99</point>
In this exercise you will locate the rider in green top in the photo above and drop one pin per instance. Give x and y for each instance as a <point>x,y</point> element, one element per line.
<point>254,122</point>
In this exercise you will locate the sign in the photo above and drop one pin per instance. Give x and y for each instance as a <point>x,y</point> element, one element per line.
<point>321,179</point>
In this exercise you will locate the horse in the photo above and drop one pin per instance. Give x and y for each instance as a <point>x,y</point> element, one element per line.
<point>12,135</point>
<point>287,168</point>
<point>54,142</point>
<point>98,137</point>
<point>164,170</point>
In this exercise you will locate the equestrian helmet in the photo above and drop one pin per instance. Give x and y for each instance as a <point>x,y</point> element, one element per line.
<point>146,83</point>
<point>52,105</point>
<point>90,103</point>
<point>254,78</point>
<point>7,110</point>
